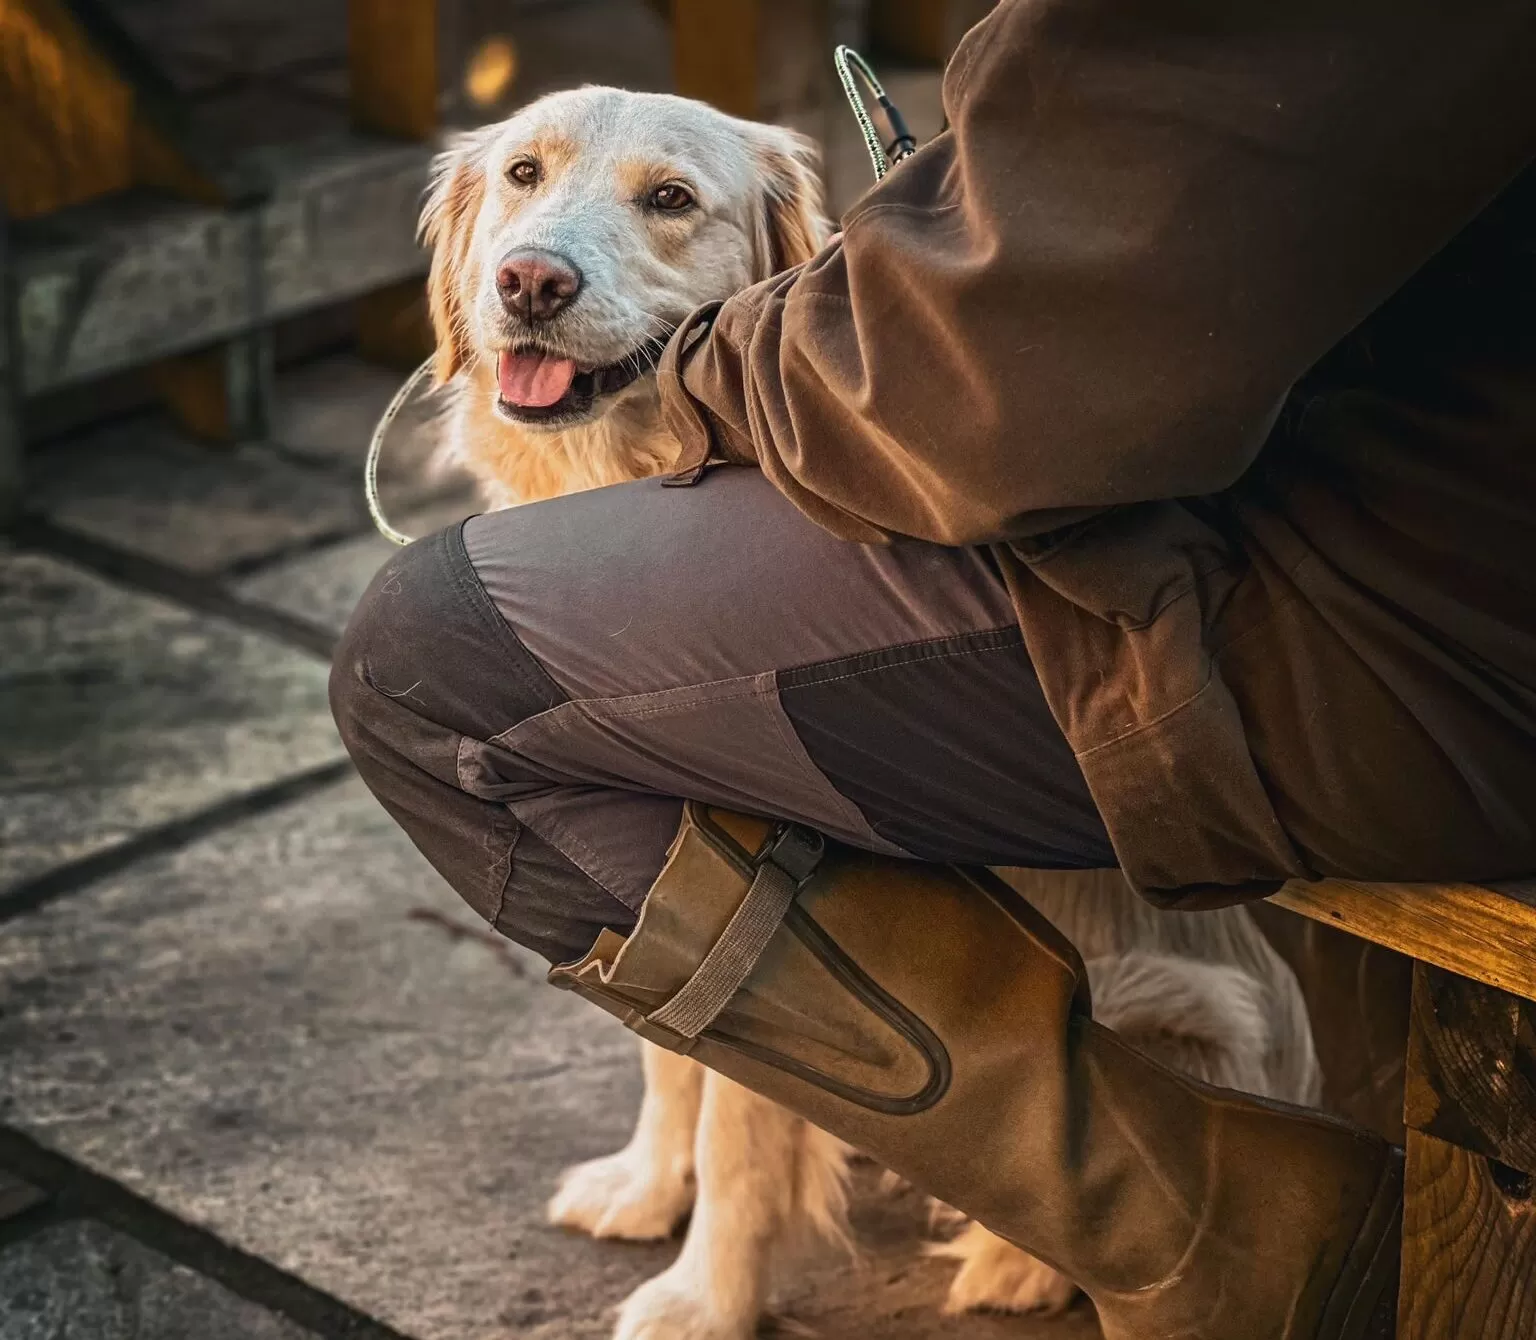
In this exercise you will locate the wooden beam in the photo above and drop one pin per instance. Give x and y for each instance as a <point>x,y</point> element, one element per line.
<point>1486,934</point>
<point>1469,1242</point>
<point>340,223</point>
<point>73,125</point>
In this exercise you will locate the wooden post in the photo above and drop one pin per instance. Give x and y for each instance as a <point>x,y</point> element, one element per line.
<point>223,394</point>
<point>770,60</point>
<point>923,32</point>
<point>1469,1249</point>
<point>394,50</point>
<point>10,421</point>
<point>393,327</point>
<point>404,59</point>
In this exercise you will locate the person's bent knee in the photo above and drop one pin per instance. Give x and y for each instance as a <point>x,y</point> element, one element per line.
<point>426,635</point>
<point>424,676</point>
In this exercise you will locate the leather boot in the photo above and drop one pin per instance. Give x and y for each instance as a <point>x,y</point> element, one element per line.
<point>931,1017</point>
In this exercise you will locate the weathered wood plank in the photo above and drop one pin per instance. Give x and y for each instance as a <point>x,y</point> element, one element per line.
<point>1469,1247</point>
<point>1487,934</point>
<point>118,284</point>
<point>1469,1239</point>
<point>1472,1067</point>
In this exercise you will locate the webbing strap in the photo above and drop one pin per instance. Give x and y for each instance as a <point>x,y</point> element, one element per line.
<point>732,957</point>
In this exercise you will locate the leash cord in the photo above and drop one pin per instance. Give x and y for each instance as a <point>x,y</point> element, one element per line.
<point>376,449</point>
<point>902,145</point>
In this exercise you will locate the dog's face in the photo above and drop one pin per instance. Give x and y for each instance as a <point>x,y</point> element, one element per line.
<point>570,240</point>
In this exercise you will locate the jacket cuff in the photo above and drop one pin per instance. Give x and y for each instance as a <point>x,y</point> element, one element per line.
<point>703,398</point>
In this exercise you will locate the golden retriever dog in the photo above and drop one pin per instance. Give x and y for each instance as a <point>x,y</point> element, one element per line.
<point>567,243</point>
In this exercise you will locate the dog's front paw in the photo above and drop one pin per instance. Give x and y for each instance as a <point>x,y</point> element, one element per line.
<point>674,1306</point>
<point>626,1195</point>
<point>996,1276</point>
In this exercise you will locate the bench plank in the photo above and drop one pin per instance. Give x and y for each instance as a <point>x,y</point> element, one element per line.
<point>1469,1250</point>
<point>1487,934</point>
<point>1469,1240</point>
<point>1472,1068</point>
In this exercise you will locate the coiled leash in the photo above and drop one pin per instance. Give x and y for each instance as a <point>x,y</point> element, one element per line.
<point>902,145</point>
<point>882,156</point>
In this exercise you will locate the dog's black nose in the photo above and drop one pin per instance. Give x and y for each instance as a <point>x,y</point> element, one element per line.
<point>536,285</point>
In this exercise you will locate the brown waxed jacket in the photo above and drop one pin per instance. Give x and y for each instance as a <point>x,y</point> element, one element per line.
<point>1218,319</point>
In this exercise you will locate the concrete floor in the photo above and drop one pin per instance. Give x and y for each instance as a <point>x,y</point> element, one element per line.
<point>264,1076</point>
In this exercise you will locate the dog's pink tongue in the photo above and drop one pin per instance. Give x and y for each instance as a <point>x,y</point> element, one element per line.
<point>533,381</point>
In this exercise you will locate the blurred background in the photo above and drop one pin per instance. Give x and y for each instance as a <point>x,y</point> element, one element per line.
<point>261,1075</point>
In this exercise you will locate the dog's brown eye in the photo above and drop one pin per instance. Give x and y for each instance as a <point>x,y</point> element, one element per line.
<point>672,198</point>
<point>525,172</point>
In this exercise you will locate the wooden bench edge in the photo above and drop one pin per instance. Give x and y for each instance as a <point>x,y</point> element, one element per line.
<point>1476,932</point>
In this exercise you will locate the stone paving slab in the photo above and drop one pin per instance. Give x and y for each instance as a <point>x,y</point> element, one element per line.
<point>138,485</point>
<point>82,1281</point>
<point>278,1034</point>
<point>325,410</point>
<point>120,712</point>
<point>257,1035</point>
<point>323,587</point>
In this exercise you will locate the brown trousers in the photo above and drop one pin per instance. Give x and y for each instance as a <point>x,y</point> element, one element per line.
<point>532,694</point>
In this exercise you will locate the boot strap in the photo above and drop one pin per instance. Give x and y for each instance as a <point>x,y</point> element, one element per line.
<point>783,871</point>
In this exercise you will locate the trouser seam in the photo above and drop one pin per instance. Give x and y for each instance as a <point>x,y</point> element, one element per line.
<point>794,746</point>
<point>545,837</point>
<point>524,664</point>
<point>904,653</point>
<point>511,864</point>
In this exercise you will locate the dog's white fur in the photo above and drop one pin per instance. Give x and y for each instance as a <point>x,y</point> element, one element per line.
<point>1203,992</point>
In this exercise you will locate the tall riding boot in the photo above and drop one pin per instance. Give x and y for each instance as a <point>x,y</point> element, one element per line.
<point>929,1016</point>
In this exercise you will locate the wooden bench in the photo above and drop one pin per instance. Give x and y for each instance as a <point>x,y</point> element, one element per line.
<point>1469,1244</point>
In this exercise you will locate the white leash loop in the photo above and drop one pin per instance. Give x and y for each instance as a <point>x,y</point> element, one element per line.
<point>376,449</point>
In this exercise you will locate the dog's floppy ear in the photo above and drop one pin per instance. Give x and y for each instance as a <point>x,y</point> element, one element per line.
<point>791,226</point>
<point>447,225</point>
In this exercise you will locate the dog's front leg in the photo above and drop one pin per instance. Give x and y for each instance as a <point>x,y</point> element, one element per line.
<point>643,1191</point>
<point>767,1180</point>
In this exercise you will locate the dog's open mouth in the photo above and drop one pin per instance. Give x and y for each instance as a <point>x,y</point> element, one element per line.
<point>535,386</point>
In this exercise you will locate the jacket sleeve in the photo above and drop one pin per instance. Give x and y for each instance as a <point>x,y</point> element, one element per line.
<point>1147,219</point>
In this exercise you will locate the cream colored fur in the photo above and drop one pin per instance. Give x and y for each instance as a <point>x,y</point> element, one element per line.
<point>758,210</point>
<point>1203,992</point>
